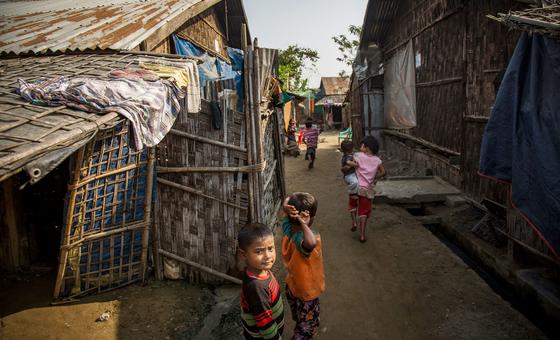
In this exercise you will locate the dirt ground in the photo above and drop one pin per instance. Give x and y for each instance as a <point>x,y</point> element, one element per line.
<point>403,283</point>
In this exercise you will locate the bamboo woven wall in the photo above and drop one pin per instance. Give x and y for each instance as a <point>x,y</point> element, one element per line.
<point>206,31</point>
<point>271,176</point>
<point>437,30</point>
<point>163,47</point>
<point>462,55</point>
<point>490,46</point>
<point>196,224</point>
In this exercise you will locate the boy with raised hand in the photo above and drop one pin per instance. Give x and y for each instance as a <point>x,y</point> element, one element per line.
<point>303,258</point>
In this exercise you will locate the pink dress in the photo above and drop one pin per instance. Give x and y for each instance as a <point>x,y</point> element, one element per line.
<point>366,170</point>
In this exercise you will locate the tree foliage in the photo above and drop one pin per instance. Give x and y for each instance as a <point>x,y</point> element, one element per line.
<point>292,60</point>
<point>348,44</point>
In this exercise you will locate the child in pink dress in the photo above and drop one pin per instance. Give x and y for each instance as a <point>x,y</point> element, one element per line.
<point>369,167</point>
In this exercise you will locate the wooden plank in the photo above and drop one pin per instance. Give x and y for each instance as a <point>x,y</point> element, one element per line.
<point>11,221</point>
<point>176,22</point>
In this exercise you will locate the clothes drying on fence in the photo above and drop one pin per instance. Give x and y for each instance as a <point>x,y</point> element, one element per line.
<point>151,106</point>
<point>521,143</point>
<point>186,78</point>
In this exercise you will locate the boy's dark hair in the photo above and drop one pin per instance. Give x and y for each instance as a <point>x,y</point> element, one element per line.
<point>346,146</point>
<point>309,123</point>
<point>252,232</point>
<point>371,143</point>
<point>304,201</point>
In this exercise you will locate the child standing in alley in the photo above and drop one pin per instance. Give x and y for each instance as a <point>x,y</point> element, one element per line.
<point>303,258</point>
<point>310,138</point>
<point>369,167</point>
<point>262,310</point>
<point>349,171</point>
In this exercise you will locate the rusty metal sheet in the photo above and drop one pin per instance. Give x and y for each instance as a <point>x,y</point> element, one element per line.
<point>69,25</point>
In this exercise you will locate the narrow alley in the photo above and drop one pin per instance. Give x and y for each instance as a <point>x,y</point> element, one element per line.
<point>403,283</point>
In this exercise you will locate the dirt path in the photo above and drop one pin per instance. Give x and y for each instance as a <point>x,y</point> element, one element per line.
<point>403,283</point>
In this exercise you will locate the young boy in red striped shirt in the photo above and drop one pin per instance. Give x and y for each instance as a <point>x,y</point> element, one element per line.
<point>262,310</point>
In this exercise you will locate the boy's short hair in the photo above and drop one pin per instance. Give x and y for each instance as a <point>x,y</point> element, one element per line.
<point>252,232</point>
<point>304,201</point>
<point>371,143</point>
<point>346,146</point>
<point>309,123</point>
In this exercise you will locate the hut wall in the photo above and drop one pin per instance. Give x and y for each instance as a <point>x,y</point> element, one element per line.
<point>194,222</point>
<point>490,46</point>
<point>462,55</point>
<point>13,248</point>
<point>437,30</point>
<point>423,158</point>
<point>163,47</point>
<point>206,31</point>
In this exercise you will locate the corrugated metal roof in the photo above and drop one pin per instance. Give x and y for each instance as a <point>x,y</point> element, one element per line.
<point>377,21</point>
<point>335,85</point>
<point>69,25</point>
<point>337,99</point>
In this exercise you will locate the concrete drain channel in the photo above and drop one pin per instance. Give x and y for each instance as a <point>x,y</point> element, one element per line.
<point>501,287</point>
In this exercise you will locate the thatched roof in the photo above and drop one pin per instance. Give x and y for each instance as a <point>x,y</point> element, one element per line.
<point>27,131</point>
<point>543,20</point>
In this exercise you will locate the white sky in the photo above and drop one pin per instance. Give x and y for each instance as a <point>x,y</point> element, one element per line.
<point>307,23</point>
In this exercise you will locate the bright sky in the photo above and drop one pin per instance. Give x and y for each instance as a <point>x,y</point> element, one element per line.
<point>307,23</point>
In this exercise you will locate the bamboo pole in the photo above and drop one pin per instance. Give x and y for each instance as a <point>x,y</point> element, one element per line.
<point>243,169</point>
<point>206,140</point>
<point>257,131</point>
<point>102,234</point>
<point>147,211</point>
<point>201,267</point>
<point>68,224</point>
<point>197,192</point>
<point>249,135</point>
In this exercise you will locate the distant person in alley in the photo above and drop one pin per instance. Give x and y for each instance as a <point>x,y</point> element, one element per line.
<point>311,139</point>
<point>303,258</point>
<point>369,167</point>
<point>262,310</point>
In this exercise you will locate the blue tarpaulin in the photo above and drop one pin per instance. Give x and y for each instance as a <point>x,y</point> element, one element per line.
<point>521,143</point>
<point>214,68</point>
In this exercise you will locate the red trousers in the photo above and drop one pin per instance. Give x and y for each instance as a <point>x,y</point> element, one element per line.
<point>362,204</point>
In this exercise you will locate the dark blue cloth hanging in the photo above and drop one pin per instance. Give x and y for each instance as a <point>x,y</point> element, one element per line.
<point>521,143</point>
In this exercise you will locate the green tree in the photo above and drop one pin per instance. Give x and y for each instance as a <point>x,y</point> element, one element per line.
<point>348,45</point>
<point>291,62</point>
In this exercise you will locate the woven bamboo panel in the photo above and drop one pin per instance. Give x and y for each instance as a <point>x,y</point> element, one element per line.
<point>106,217</point>
<point>205,31</point>
<point>520,230</point>
<point>272,187</point>
<point>193,226</point>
